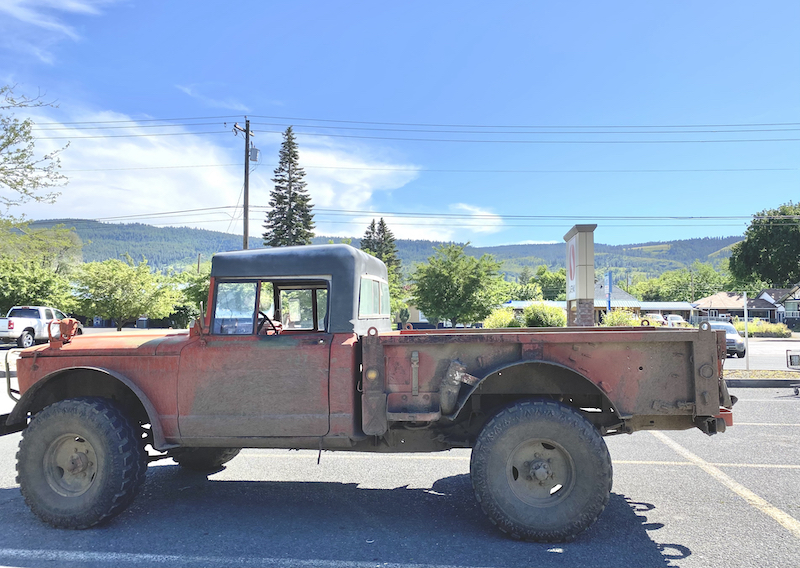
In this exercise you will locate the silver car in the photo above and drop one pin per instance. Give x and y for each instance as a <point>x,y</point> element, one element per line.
<point>734,341</point>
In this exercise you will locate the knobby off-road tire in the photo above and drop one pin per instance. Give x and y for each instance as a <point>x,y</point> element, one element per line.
<point>80,461</point>
<point>541,471</point>
<point>203,459</point>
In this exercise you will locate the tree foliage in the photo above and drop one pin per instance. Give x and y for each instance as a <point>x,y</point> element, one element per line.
<point>24,175</point>
<point>455,287</point>
<point>30,283</point>
<point>123,291</point>
<point>290,220</point>
<point>542,315</point>
<point>55,248</point>
<point>685,285</point>
<point>379,241</point>
<point>771,248</point>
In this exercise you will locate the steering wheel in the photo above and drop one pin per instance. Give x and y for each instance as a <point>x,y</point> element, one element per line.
<point>266,320</point>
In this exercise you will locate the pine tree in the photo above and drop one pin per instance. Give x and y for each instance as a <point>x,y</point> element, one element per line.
<point>386,249</point>
<point>379,241</point>
<point>290,220</point>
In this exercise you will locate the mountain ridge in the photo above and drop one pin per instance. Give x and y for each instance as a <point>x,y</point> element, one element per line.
<point>178,247</point>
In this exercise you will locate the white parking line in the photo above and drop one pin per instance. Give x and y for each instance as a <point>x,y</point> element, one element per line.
<point>787,521</point>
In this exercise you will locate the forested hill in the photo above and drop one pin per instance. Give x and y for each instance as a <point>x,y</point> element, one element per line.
<point>176,247</point>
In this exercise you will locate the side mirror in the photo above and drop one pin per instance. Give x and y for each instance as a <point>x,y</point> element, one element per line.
<point>197,329</point>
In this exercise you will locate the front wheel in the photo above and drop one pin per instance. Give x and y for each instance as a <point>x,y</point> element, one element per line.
<point>541,471</point>
<point>80,462</point>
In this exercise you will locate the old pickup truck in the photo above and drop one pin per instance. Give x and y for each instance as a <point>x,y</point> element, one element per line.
<point>297,351</point>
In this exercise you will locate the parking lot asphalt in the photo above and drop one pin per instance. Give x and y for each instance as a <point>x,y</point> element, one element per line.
<point>679,499</point>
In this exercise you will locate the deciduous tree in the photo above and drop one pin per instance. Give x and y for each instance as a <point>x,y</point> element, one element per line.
<point>770,250</point>
<point>24,174</point>
<point>123,291</point>
<point>290,220</point>
<point>455,287</point>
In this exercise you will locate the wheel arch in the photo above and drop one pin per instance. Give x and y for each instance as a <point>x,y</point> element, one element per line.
<point>75,382</point>
<point>532,379</point>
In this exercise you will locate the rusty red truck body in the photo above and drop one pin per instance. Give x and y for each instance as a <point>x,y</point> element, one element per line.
<point>296,351</point>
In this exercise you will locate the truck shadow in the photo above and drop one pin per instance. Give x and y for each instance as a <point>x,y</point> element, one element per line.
<point>185,519</point>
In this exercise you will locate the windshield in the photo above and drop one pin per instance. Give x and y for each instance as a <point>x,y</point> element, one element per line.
<point>729,329</point>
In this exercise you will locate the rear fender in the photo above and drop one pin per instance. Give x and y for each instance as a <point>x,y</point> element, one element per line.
<point>52,387</point>
<point>538,378</point>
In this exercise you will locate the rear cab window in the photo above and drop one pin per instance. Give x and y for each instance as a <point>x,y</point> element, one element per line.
<point>373,298</point>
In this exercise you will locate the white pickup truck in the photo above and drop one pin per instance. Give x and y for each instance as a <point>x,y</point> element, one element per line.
<point>28,324</point>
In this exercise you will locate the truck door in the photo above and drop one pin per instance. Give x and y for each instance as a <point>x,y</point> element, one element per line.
<point>259,372</point>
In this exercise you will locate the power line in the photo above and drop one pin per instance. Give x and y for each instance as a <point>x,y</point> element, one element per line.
<point>528,126</point>
<point>436,170</point>
<point>460,140</point>
<point>468,216</point>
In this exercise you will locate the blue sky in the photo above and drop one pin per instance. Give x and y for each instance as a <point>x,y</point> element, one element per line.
<point>494,123</point>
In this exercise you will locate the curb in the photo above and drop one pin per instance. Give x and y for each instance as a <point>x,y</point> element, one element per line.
<point>762,383</point>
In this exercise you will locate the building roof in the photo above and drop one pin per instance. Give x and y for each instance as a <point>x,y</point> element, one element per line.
<point>732,301</point>
<point>666,306</point>
<point>775,294</point>
<point>791,294</point>
<point>617,293</point>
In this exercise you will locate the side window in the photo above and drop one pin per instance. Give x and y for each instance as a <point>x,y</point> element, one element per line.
<point>235,309</point>
<point>48,314</point>
<point>373,299</point>
<point>60,315</point>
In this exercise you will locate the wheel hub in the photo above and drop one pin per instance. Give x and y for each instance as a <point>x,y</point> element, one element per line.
<point>540,472</point>
<point>70,465</point>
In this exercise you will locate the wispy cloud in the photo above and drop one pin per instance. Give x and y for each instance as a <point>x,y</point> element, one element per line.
<point>110,178</point>
<point>227,103</point>
<point>35,26</point>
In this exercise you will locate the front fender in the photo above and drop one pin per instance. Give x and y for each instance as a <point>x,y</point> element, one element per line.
<point>28,402</point>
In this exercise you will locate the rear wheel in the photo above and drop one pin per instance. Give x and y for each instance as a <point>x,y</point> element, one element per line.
<point>203,459</point>
<point>541,471</point>
<point>80,462</point>
<point>26,339</point>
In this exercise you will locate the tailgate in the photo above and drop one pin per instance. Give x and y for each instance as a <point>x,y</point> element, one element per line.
<point>3,324</point>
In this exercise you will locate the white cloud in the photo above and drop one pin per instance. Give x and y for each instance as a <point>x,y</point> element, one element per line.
<point>34,26</point>
<point>112,178</point>
<point>227,103</point>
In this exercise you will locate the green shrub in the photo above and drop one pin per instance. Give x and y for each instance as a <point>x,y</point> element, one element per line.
<point>761,328</point>
<point>620,318</point>
<point>542,315</point>
<point>501,317</point>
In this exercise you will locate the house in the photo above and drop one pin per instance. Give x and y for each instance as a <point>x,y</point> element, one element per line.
<point>791,306</point>
<point>774,296</point>
<point>726,305</point>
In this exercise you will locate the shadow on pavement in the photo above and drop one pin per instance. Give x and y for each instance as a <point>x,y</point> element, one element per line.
<point>185,519</point>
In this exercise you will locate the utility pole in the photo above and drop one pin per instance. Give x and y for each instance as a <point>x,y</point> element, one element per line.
<point>246,204</point>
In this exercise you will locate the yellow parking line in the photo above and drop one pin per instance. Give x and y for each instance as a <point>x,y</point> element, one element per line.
<point>787,521</point>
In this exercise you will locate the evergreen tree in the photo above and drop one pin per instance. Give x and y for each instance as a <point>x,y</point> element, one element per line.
<point>290,220</point>
<point>379,241</point>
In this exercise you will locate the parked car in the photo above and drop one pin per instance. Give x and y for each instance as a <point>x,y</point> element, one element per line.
<point>674,320</point>
<point>733,341</point>
<point>655,319</point>
<point>28,324</point>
